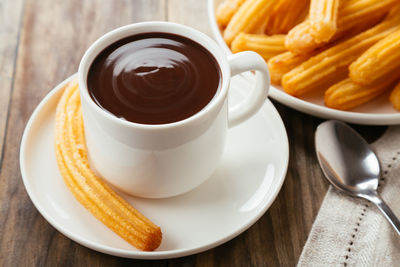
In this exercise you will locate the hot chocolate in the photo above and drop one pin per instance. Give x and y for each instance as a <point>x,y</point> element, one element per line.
<point>154,78</point>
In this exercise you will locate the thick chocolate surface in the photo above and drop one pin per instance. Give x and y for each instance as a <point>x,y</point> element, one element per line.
<point>154,78</point>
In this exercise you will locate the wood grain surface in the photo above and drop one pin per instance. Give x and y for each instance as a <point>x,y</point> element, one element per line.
<point>10,25</point>
<point>41,43</point>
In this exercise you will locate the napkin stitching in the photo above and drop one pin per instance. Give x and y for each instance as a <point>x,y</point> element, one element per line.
<point>385,172</point>
<point>381,182</point>
<point>353,236</point>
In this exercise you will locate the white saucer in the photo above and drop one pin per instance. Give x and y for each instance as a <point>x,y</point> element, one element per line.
<point>245,184</point>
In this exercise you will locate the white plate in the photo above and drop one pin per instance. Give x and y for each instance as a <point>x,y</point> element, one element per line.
<point>245,184</point>
<point>376,112</point>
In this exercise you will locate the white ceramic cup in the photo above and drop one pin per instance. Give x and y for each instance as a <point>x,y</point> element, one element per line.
<point>167,159</point>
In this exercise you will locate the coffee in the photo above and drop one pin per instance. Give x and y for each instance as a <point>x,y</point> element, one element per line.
<point>154,78</point>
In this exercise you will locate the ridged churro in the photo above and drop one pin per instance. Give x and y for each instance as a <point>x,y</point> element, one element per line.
<point>347,95</point>
<point>357,12</point>
<point>354,16</point>
<point>286,15</point>
<point>94,194</point>
<point>226,10</point>
<point>250,17</point>
<point>331,65</point>
<point>323,16</point>
<point>283,63</point>
<point>266,46</point>
<point>300,40</point>
<point>378,62</point>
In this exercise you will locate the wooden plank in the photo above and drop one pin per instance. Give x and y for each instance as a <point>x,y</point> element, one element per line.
<point>10,17</point>
<point>54,36</point>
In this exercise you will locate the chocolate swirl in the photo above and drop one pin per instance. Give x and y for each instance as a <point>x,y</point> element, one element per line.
<point>154,78</point>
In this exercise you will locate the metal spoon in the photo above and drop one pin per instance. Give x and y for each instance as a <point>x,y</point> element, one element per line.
<point>350,165</point>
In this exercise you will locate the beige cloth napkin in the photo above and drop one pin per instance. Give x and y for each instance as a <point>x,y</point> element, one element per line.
<point>351,231</point>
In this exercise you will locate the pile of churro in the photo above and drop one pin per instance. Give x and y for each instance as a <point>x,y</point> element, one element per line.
<point>90,190</point>
<point>349,49</point>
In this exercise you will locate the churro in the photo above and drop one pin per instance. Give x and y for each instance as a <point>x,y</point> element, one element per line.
<point>347,95</point>
<point>250,17</point>
<point>300,40</point>
<point>94,194</point>
<point>331,65</point>
<point>323,16</point>
<point>357,12</point>
<point>354,16</point>
<point>226,10</point>
<point>283,63</point>
<point>378,62</point>
<point>266,46</point>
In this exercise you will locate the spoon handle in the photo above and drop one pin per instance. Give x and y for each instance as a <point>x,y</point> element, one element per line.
<point>390,216</point>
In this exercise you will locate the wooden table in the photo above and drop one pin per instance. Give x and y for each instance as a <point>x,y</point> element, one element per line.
<point>41,43</point>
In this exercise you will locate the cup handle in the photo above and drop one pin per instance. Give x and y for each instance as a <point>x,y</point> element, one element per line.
<point>246,61</point>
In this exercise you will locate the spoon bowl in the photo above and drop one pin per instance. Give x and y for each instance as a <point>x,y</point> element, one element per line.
<point>350,165</point>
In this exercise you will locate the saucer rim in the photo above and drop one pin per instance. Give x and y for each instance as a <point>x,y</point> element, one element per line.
<point>137,254</point>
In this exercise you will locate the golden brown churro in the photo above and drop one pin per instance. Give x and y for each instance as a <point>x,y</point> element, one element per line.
<point>353,16</point>
<point>378,62</point>
<point>250,16</point>
<point>323,16</point>
<point>95,195</point>
<point>357,12</point>
<point>394,97</point>
<point>226,10</point>
<point>347,95</point>
<point>283,63</point>
<point>286,15</point>
<point>266,46</point>
<point>331,65</point>
<point>300,40</point>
